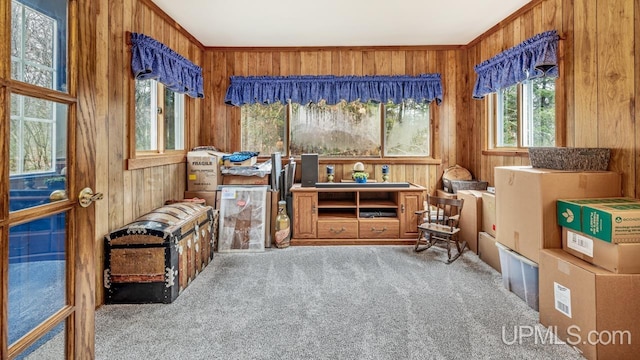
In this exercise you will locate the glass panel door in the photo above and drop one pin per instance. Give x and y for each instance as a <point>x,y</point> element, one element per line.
<point>36,224</point>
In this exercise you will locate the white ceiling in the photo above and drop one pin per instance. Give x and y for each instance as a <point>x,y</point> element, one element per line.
<point>284,23</point>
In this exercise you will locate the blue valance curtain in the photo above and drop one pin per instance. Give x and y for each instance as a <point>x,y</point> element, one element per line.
<point>533,58</point>
<point>151,59</point>
<point>333,89</point>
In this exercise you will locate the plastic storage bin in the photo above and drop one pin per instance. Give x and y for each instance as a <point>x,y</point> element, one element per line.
<point>519,275</point>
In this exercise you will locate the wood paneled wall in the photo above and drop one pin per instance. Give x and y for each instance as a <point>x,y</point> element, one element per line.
<point>224,121</point>
<point>598,84</point>
<point>131,193</point>
<point>599,78</point>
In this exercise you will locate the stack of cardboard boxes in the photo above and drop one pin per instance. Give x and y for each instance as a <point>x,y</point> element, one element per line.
<point>590,289</point>
<point>477,224</point>
<point>593,308</point>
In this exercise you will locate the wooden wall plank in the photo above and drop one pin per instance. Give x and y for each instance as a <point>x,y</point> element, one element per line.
<point>567,72</point>
<point>347,63</point>
<point>358,64</point>
<point>636,109</point>
<point>324,63</point>
<point>118,142</point>
<point>616,88</point>
<point>408,62</point>
<point>382,62</point>
<point>295,63</point>
<point>275,63</point>
<point>252,63</point>
<point>368,63</point>
<point>398,62</point>
<point>586,79</point>
<point>309,63</point>
<point>420,62</point>
<point>335,62</point>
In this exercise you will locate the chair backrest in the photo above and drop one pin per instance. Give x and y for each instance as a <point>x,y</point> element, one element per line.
<point>444,211</point>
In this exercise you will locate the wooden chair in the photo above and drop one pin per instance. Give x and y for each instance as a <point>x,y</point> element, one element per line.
<point>440,223</point>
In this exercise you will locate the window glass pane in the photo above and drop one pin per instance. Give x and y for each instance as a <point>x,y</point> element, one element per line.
<point>16,29</point>
<point>263,128</point>
<point>39,43</point>
<point>173,120</point>
<point>146,118</point>
<point>37,151</point>
<point>38,76</point>
<point>507,122</point>
<point>38,108</point>
<point>38,39</point>
<point>345,129</point>
<point>37,273</point>
<point>407,129</point>
<point>539,122</point>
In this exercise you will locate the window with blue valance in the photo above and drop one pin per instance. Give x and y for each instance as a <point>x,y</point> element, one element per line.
<point>151,59</point>
<point>333,89</point>
<point>533,58</point>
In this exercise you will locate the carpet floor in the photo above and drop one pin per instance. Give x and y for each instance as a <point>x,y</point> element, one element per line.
<point>347,302</point>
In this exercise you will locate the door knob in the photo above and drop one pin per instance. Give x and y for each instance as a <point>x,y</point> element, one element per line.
<point>86,197</point>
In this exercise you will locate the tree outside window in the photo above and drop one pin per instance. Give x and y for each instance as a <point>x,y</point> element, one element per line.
<point>523,115</point>
<point>341,130</point>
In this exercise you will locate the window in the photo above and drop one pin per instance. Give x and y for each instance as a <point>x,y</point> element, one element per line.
<point>38,142</point>
<point>523,115</point>
<point>37,134</point>
<point>344,129</point>
<point>159,118</point>
<point>407,129</point>
<point>264,127</point>
<point>38,44</point>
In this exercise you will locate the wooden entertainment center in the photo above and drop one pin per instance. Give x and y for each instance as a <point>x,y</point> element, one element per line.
<point>356,214</point>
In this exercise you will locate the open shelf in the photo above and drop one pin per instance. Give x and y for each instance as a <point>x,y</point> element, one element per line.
<point>374,204</point>
<point>336,214</point>
<point>336,204</point>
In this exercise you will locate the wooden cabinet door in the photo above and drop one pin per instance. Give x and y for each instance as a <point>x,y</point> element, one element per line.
<point>410,202</point>
<point>305,215</point>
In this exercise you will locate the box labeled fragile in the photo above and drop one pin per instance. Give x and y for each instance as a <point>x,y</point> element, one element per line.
<point>570,210</point>
<point>614,223</point>
<point>203,170</point>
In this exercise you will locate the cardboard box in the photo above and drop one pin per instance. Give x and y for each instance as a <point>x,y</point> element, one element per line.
<point>245,180</point>
<point>489,213</point>
<point>614,223</point>
<point>248,162</point>
<point>526,219</point>
<point>570,210</point>
<point>487,250</point>
<point>589,307</point>
<point>203,170</point>
<point>471,218</point>
<point>208,196</point>
<point>444,194</point>
<point>617,258</point>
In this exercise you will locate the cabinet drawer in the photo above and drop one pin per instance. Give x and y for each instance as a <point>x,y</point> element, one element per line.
<point>372,229</point>
<point>338,229</point>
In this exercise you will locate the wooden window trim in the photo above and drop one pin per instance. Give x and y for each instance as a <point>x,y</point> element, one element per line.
<point>146,161</point>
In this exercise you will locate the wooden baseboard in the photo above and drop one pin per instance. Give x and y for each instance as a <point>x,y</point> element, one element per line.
<point>319,242</point>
